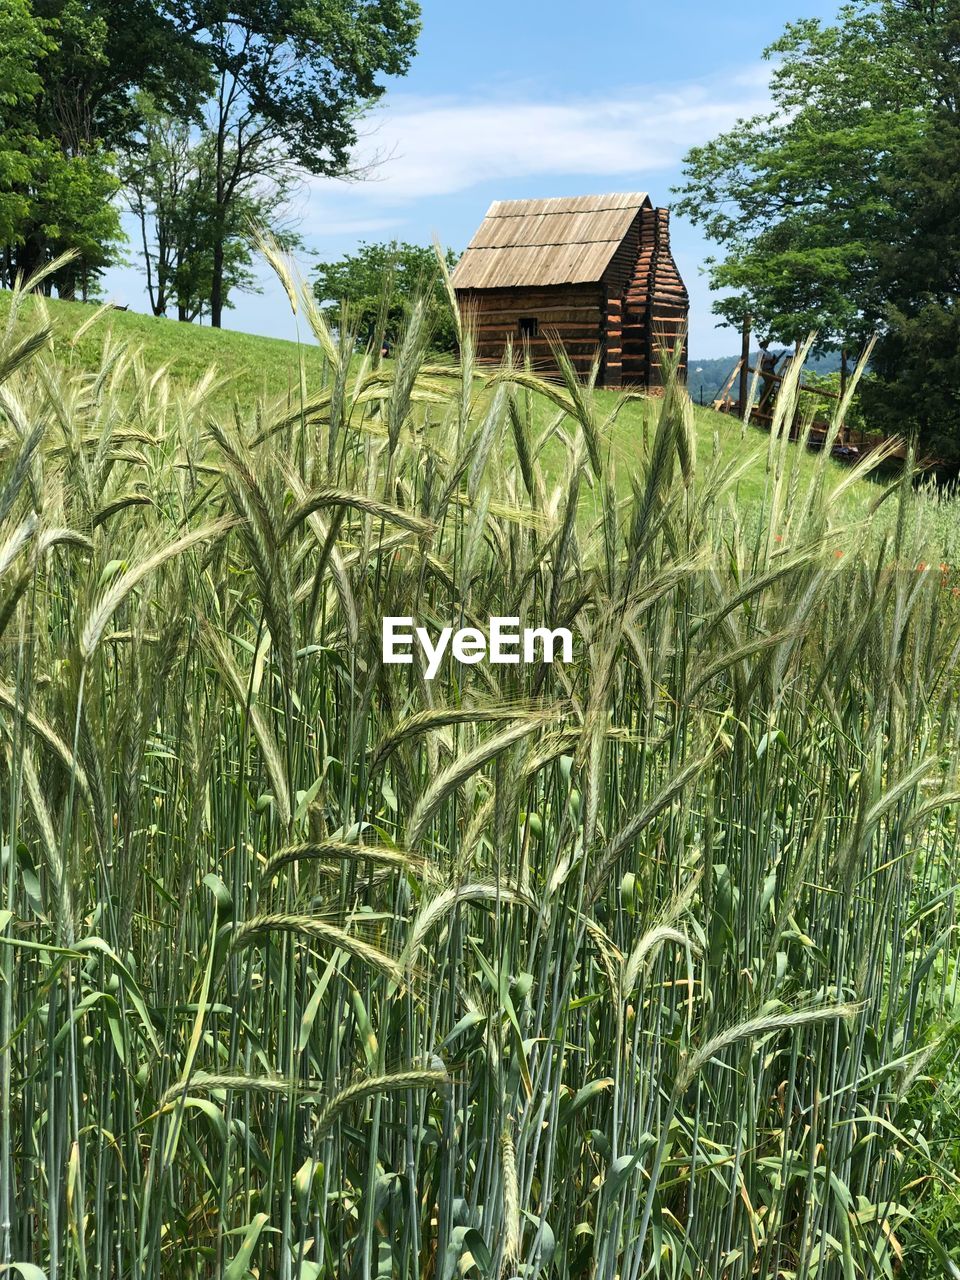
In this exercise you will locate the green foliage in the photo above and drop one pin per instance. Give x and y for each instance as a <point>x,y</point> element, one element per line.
<point>73,210</point>
<point>932,1237</point>
<point>310,966</point>
<point>294,78</point>
<point>800,198</point>
<point>380,283</point>
<point>855,416</point>
<point>918,361</point>
<point>838,211</point>
<point>305,67</point>
<point>170,181</point>
<point>102,54</point>
<point>246,97</point>
<point>22,46</point>
<point>56,180</point>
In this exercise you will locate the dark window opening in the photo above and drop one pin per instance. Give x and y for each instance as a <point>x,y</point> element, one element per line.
<point>529,327</point>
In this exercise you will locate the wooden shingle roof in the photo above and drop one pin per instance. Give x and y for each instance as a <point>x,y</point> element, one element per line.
<point>564,240</point>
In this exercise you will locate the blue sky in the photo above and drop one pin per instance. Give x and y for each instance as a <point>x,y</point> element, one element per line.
<point>508,99</point>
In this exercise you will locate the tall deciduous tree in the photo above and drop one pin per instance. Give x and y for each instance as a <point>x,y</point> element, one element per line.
<point>170,183</point>
<point>265,92</point>
<point>53,197</point>
<point>104,53</point>
<point>800,198</point>
<point>292,80</point>
<point>838,210</point>
<point>22,47</point>
<point>918,359</point>
<point>67,80</point>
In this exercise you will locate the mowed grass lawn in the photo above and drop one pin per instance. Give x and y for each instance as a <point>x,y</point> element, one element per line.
<point>251,368</point>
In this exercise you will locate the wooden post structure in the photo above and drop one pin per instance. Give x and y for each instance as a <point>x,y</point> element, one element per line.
<point>744,367</point>
<point>844,374</point>
<point>613,354</point>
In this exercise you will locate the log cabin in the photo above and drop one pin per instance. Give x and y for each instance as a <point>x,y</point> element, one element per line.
<point>592,272</point>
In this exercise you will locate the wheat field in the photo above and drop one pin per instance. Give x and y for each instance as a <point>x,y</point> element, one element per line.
<point>310,967</point>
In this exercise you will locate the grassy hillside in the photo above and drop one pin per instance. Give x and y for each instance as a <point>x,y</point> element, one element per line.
<point>719,435</point>
<point>253,368</point>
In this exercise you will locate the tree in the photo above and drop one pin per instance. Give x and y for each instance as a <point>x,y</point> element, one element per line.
<point>292,79</point>
<point>170,181</point>
<point>801,199</point>
<point>840,210</point>
<point>22,46</point>
<point>104,54</point>
<point>68,69</point>
<point>269,91</point>
<point>51,199</point>
<point>73,209</point>
<point>401,271</point>
<point>918,359</point>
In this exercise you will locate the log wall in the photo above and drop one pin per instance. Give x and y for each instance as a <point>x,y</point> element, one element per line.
<point>656,305</point>
<point>616,281</point>
<point>574,313</point>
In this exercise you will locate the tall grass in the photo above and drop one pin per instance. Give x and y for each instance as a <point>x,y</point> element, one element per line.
<point>311,967</point>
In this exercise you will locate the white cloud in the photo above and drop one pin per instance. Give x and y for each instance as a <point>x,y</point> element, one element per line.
<point>422,147</point>
<point>338,227</point>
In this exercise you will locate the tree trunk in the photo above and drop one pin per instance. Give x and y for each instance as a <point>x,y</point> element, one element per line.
<point>29,260</point>
<point>216,288</point>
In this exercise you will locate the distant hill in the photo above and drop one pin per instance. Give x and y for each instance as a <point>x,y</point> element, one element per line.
<point>712,374</point>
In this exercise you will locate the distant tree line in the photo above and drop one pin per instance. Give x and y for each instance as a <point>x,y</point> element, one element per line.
<point>372,291</point>
<point>197,115</point>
